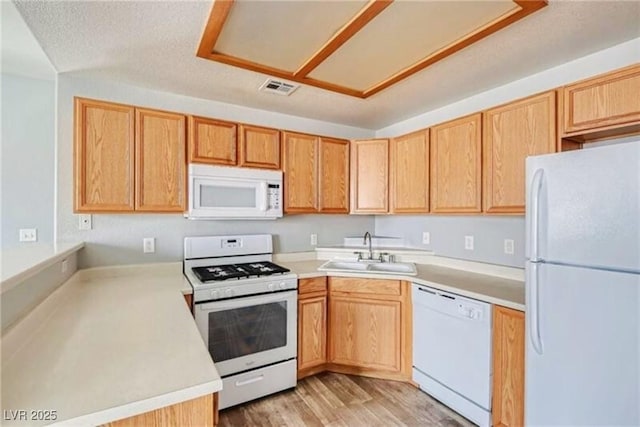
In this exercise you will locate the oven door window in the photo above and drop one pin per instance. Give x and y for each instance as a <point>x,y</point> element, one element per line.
<point>247,330</point>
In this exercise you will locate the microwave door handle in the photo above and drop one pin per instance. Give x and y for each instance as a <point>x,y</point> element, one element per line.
<point>263,196</point>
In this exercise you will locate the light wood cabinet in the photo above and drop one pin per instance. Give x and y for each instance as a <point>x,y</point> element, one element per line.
<point>370,176</point>
<point>512,132</point>
<point>608,101</point>
<point>455,161</point>
<point>409,185</point>
<point>259,147</point>
<point>300,166</point>
<point>369,328</point>
<point>161,175</point>
<point>312,326</point>
<point>508,367</point>
<point>202,411</point>
<point>333,176</point>
<point>212,141</point>
<point>129,159</point>
<point>104,158</point>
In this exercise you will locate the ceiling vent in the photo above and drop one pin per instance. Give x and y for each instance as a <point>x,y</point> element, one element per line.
<point>279,87</point>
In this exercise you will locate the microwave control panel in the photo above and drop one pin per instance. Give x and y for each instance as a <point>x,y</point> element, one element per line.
<point>273,195</point>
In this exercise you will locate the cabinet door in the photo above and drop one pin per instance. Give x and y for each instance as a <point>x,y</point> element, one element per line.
<point>606,101</point>
<point>409,191</point>
<point>369,176</point>
<point>259,147</point>
<point>212,141</point>
<point>300,166</point>
<point>511,133</point>
<point>161,174</point>
<point>508,367</point>
<point>104,158</point>
<point>456,166</point>
<point>312,332</point>
<point>333,176</point>
<point>365,333</point>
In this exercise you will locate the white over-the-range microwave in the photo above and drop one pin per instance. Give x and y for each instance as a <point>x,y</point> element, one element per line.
<point>225,192</point>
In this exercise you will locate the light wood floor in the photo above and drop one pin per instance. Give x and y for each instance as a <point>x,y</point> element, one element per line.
<point>330,399</point>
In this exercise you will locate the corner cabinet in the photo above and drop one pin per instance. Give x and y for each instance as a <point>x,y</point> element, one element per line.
<point>128,159</point>
<point>312,326</point>
<point>370,176</point>
<point>508,367</point>
<point>456,180</point>
<point>259,147</point>
<point>212,141</point>
<point>511,133</point>
<point>409,183</point>
<point>369,329</point>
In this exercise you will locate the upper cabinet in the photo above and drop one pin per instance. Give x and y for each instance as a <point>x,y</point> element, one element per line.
<point>316,174</point>
<point>104,160</point>
<point>456,166</point>
<point>409,155</point>
<point>369,176</point>
<point>212,141</point>
<point>259,147</point>
<point>161,174</point>
<point>333,176</point>
<point>300,165</point>
<point>128,159</point>
<point>602,103</point>
<point>511,133</point>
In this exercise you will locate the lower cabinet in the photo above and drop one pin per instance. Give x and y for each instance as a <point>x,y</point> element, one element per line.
<point>369,328</point>
<point>202,411</point>
<point>508,367</point>
<point>312,326</point>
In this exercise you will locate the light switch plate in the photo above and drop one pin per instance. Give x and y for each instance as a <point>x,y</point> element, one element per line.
<point>468,243</point>
<point>508,246</point>
<point>149,245</point>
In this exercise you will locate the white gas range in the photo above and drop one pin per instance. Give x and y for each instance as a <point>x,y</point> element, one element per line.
<point>245,307</point>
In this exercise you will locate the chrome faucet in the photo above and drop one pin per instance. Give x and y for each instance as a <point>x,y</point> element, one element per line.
<point>367,234</point>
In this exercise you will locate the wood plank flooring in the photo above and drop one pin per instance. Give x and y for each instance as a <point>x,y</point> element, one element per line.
<point>330,399</point>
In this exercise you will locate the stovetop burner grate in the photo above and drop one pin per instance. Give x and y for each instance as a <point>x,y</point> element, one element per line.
<point>237,271</point>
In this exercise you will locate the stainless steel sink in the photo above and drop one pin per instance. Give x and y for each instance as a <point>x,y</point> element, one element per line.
<point>404,268</point>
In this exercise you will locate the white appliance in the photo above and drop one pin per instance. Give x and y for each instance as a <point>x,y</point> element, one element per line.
<point>452,351</point>
<point>583,287</point>
<point>223,192</point>
<point>245,307</point>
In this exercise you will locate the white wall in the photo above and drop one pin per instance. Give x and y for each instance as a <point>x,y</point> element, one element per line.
<point>117,239</point>
<point>447,233</point>
<point>27,158</point>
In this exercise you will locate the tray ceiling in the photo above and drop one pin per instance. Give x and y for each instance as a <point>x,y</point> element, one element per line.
<point>357,48</point>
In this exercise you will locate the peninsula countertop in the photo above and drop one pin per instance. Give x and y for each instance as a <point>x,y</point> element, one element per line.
<point>108,344</point>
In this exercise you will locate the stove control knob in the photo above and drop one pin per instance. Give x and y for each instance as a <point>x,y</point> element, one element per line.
<point>214,294</point>
<point>271,286</point>
<point>229,292</point>
<point>283,285</point>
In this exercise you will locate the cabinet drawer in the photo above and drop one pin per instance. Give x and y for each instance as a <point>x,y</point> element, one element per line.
<point>364,286</point>
<point>316,284</point>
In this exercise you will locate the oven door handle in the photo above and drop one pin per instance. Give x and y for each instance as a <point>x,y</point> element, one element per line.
<point>247,301</point>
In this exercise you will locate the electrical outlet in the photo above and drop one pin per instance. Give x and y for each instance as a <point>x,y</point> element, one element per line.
<point>468,243</point>
<point>84,222</point>
<point>64,266</point>
<point>314,239</point>
<point>508,246</point>
<point>426,237</point>
<point>149,245</point>
<point>28,235</point>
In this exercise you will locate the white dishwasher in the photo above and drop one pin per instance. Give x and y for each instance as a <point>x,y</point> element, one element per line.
<point>452,351</point>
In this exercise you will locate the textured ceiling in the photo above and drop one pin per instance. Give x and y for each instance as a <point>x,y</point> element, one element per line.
<point>153,45</point>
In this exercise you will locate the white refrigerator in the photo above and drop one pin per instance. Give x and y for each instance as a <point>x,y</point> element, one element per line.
<point>583,287</point>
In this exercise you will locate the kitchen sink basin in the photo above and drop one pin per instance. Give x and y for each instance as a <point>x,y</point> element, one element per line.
<point>405,268</point>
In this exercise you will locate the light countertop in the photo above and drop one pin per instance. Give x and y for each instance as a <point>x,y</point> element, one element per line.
<point>20,263</point>
<point>106,345</point>
<point>491,289</point>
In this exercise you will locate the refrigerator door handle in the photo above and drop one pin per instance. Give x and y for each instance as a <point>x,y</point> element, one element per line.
<point>534,222</point>
<point>533,309</point>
